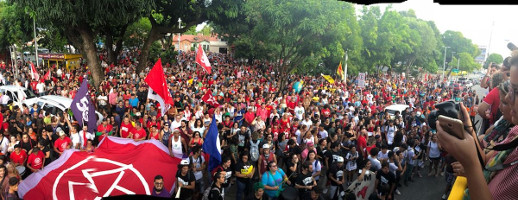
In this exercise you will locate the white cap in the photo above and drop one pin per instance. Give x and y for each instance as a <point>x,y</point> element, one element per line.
<point>340,159</point>
<point>266,146</point>
<point>61,132</point>
<point>184,162</point>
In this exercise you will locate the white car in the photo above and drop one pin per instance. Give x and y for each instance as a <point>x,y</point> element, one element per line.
<point>19,95</point>
<point>392,109</point>
<point>57,105</point>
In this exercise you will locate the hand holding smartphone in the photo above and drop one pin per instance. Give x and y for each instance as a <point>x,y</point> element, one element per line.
<point>452,126</point>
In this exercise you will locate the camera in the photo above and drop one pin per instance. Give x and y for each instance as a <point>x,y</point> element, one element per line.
<point>446,108</point>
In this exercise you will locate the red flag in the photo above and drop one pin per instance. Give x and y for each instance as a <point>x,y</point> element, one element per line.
<point>34,73</point>
<point>201,59</point>
<point>158,87</point>
<point>208,98</point>
<point>46,76</point>
<point>85,175</point>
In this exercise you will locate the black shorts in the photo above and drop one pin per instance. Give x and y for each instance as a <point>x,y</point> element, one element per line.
<point>435,159</point>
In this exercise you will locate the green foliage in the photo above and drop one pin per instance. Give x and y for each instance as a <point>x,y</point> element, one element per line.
<point>16,25</point>
<point>137,33</point>
<point>53,40</point>
<point>493,58</point>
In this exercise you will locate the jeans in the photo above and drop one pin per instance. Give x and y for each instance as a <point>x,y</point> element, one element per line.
<point>408,172</point>
<point>243,189</point>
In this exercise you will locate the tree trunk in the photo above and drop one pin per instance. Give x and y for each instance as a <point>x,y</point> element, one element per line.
<point>144,53</point>
<point>109,47</point>
<point>91,54</point>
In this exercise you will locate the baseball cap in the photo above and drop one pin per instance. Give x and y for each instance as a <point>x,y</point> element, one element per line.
<point>340,159</point>
<point>184,162</point>
<point>310,144</point>
<point>61,133</point>
<point>266,146</point>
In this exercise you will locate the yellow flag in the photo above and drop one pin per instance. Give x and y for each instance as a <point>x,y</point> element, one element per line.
<point>328,78</point>
<point>339,70</point>
<point>190,81</point>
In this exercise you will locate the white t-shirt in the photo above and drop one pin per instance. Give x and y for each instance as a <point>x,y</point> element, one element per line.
<point>299,112</point>
<point>434,150</point>
<point>40,87</point>
<point>391,131</point>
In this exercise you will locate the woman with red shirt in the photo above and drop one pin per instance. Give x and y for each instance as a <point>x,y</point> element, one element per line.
<point>19,156</point>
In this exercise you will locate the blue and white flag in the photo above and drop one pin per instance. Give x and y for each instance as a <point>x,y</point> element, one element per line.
<point>212,145</point>
<point>83,109</point>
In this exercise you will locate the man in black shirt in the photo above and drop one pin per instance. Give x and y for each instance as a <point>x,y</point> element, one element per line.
<point>336,176</point>
<point>305,182</point>
<point>385,182</point>
<point>185,180</point>
<point>333,154</point>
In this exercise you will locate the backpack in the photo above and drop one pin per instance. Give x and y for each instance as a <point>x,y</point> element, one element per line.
<point>206,192</point>
<point>254,151</point>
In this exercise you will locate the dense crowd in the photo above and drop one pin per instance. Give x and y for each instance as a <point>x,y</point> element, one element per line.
<point>313,143</point>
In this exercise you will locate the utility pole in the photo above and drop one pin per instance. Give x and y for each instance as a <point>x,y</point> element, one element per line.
<point>35,41</point>
<point>444,63</point>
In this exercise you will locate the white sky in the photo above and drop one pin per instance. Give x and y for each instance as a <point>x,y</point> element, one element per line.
<point>473,21</point>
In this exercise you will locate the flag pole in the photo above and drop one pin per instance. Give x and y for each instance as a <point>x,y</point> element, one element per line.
<point>345,69</point>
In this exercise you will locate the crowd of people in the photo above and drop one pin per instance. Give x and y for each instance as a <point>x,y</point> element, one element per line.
<point>276,142</point>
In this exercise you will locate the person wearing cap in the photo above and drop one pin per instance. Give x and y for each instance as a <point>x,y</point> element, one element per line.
<point>266,157</point>
<point>19,156</point>
<point>336,176</point>
<point>62,143</point>
<point>185,180</point>
<point>177,144</point>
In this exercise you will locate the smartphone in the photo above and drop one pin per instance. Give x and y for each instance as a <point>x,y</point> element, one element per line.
<point>453,126</point>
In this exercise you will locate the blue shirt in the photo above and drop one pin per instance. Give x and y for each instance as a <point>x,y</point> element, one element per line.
<point>133,102</point>
<point>273,180</point>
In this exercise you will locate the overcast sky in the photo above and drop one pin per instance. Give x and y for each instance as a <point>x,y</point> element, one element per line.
<point>474,21</point>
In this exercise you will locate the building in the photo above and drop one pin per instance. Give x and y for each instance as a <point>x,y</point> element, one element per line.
<point>483,55</point>
<point>209,43</point>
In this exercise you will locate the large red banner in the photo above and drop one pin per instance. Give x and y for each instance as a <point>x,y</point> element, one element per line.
<point>118,166</point>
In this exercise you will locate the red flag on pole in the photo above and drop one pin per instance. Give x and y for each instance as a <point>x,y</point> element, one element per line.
<point>208,98</point>
<point>201,59</point>
<point>158,87</point>
<point>34,73</point>
<point>46,76</point>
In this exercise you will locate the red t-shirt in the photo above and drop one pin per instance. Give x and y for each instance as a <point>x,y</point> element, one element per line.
<point>493,99</point>
<point>61,144</point>
<point>362,143</point>
<point>125,129</point>
<point>18,158</point>
<point>36,160</point>
<point>139,134</point>
<point>326,112</point>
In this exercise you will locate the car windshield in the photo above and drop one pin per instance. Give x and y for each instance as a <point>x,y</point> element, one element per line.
<point>29,94</point>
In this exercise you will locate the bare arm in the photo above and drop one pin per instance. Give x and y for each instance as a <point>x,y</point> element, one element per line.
<point>482,108</point>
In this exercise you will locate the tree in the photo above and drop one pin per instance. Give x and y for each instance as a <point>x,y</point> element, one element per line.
<point>164,20</point>
<point>16,25</point>
<point>493,58</point>
<point>293,31</point>
<point>81,21</point>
